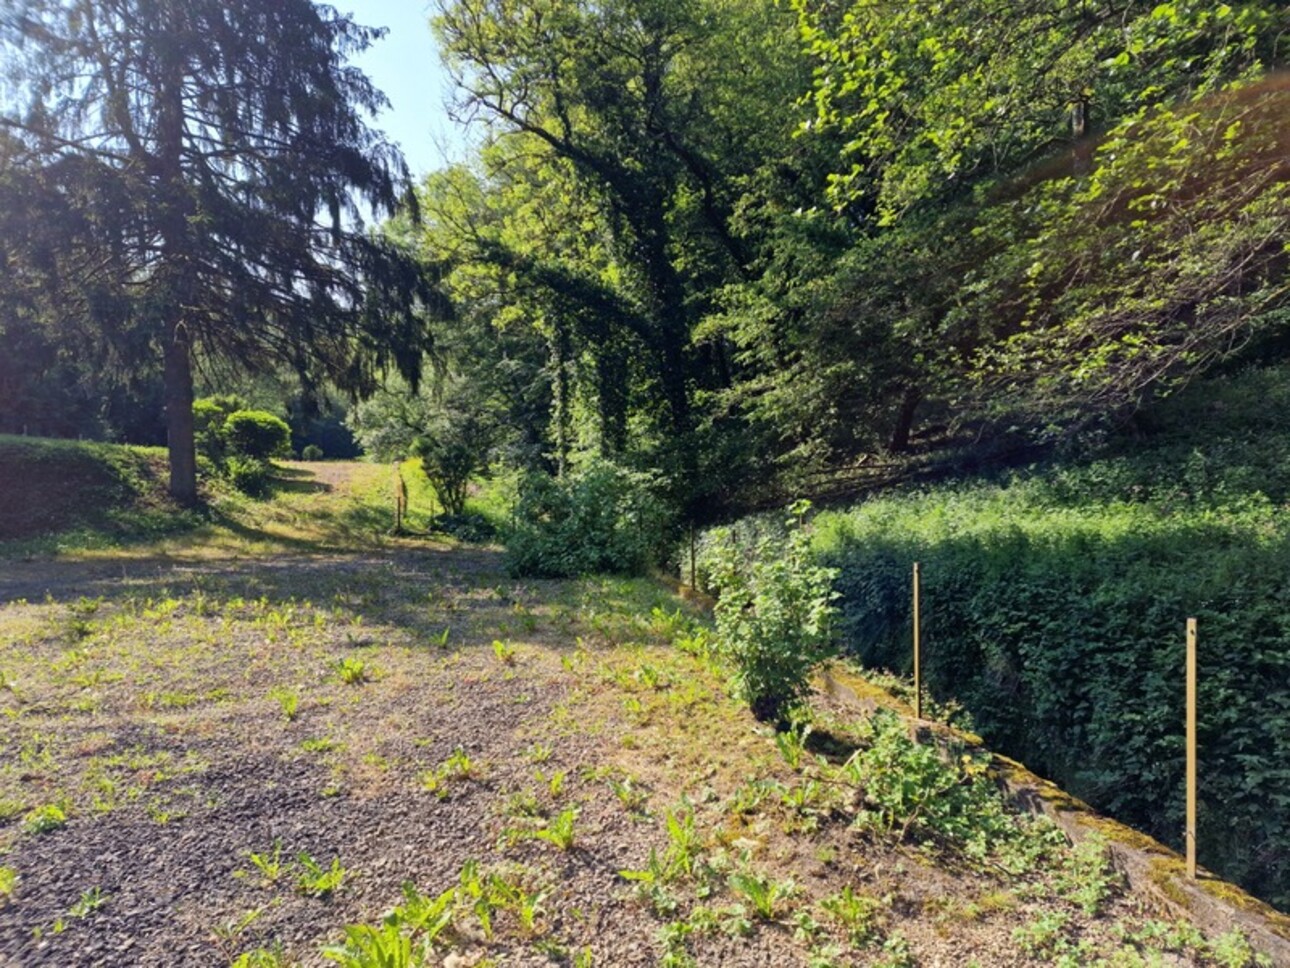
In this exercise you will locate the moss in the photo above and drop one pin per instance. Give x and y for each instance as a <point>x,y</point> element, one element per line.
<point>1233,896</point>
<point>862,690</point>
<point>1118,833</point>
<point>1164,874</point>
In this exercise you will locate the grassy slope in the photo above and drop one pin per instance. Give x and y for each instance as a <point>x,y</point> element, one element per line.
<point>1055,602</point>
<point>88,492</point>
<point>187,720</point>
<point>93,499</point>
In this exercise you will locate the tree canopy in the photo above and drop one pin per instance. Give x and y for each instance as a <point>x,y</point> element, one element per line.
<point>207,162</point>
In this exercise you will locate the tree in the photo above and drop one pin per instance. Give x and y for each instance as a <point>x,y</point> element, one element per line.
<point>651,112</point>
<point>211,157</point>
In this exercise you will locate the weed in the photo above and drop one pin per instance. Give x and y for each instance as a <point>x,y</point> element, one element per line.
<point>226,934</point>
<point>630,795</point>
<point>288,701</point>
<point>649,677</point>
<point>322,744</point>
<point>8,882</point>
<point>682,855</point>
<point>504,651</point>
<point>1045,936</point>
<point>673,937</point>
<point>458,766</point>
<point>731,920</point>
<point>318,881</point>
<point>764,894</point>
<point>559,830</point>
<point>650,882</point>
<point>352,671</point>
<point>479,894</point>
<point>527,905</point>
<point>667,625</point>
<point>370,947</point>
<point>259,958</point>
<point>269,865</point>
<point>538,753</point>
<point>89,902</point>
<point>895,954</point>
<point>441,640</point>
<point>524,804</point>
<point>1086,876</point>
<point>427,916</point>
<point>554,781</point>
<point>858,915</point>
<point>1232,950</point>
<point>44,819</point>
<point>791,743</point>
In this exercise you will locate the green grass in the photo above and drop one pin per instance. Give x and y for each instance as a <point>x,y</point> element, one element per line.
<point>73,494</point>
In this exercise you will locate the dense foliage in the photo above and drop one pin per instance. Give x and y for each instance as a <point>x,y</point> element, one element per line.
<point>599,518</point>
<point>1054,605</point>
<point>257,435</point>
<point>775,615</point>
<point>751,250</point>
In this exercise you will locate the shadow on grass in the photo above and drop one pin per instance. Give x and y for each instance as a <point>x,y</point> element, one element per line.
<point>284,481</point>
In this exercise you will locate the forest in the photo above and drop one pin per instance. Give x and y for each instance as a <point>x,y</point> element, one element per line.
<point>707,258</point>
<point>750,248</point>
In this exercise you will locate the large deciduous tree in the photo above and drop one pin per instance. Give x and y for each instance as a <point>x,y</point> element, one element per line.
<point>210,160</point>
<point>651,112</point>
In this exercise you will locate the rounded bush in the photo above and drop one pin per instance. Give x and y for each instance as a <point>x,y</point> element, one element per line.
<point>311,452</point>
<point>257,434</point>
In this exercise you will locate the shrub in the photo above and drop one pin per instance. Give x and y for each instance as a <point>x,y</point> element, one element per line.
<point>256,434</point>
<point>248,475</point>
<point>209,417</point>
<point>452,450</point>
<point>774,616</point>
<point>1054,609</point>
<point>602,518</point>
<point>311,452</point>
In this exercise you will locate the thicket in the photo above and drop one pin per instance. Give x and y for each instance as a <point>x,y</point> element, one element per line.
<point>1054,608</point>
<point>601,518</point>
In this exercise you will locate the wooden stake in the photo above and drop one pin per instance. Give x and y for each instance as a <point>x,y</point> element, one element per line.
<point>1190,835</point>
<point>400,499</point>
<point>918,657</point>
<point>692,559</point>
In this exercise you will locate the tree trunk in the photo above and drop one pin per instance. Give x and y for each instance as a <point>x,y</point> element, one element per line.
<point>179,416</point>
<point>175,271</point>
<point>905,421</point>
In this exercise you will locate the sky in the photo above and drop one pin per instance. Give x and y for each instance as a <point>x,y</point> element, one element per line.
<point>405,65</point>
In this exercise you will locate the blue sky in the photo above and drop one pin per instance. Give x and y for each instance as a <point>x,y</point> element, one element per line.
<point>405,65</point>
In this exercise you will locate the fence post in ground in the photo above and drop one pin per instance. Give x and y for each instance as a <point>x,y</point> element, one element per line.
<point>1190,835</point>
<point>918,647</point>
<point>693,582</point>
<point>400,499</point>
